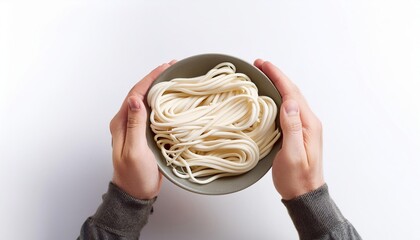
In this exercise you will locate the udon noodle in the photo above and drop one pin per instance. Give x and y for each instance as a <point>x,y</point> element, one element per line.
<point>212,126</point>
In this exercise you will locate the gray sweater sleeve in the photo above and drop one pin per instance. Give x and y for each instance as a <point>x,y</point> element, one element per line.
<point>316,216</point>
<point>120,216</point>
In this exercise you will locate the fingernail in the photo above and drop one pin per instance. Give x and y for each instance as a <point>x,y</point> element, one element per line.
<point>133,104</point>
<point>291,107</point>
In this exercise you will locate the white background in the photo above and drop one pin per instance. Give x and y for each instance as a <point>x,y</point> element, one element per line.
<point>65,68</point>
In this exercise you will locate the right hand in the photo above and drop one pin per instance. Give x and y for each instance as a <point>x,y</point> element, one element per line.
<point>297,167</point>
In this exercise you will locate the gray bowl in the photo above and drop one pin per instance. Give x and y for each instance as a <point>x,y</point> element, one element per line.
<point>200,65</point>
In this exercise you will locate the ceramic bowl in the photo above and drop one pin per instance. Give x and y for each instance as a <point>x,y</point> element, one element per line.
<point>199,65</point>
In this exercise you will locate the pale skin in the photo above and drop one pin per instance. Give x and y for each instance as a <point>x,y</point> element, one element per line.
<point>135,169</point>
<point>297,168</point>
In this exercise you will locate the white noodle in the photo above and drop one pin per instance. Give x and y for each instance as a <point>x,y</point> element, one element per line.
<point>213,125</point>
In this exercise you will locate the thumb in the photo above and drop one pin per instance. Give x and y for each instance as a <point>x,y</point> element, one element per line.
<point>291,126</point>
<point>136,121</point>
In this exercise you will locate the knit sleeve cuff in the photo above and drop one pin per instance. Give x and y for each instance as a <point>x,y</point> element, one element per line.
<point>121,213</point>
<point>314,213</point>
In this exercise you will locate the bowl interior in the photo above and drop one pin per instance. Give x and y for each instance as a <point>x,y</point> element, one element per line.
<point>199,65</point>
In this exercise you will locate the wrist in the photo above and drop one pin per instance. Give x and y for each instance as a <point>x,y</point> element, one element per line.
<point>314,213</point>
<point>291,189</point>
<point>136,189</point>
<point>121,213</point>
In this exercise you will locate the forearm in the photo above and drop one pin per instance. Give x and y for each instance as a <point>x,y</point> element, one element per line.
<point>316,216</point>
<point>120,216</point>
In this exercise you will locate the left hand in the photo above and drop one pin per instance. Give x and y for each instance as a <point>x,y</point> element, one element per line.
<point>135,168</point>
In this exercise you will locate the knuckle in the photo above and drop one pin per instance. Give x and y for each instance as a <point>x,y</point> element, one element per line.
<point>293,93</point>
<point>112,125</point>
<point>314,125</point>
<point>294,127</point>
<point>132,122</point>
<point>317,125</point>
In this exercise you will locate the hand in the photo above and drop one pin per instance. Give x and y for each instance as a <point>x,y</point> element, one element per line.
<point>297,167</point>
<point>135,168</point>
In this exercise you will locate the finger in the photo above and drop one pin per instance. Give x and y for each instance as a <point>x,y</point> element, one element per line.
<point>136,122</point>
<point>258,63</point>
<point>140,89</point>
<point>143,85</point>
<point>172,62</point>
<point>288,90</point>
<point>292,130</point>
<point>279,79</point>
